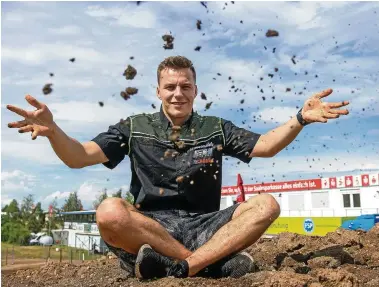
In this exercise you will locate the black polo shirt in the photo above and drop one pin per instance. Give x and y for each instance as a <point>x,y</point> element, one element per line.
<point>176,167</point>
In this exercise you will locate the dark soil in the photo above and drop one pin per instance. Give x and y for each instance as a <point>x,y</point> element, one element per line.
<point>342,258</point>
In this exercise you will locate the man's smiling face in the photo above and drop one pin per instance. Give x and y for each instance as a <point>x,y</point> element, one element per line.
<point>177,91</point>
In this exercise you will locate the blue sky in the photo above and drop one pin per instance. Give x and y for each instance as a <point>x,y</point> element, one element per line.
<point>335,44</point>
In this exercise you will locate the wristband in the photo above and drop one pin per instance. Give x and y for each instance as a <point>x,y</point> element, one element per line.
<point>300,118</point>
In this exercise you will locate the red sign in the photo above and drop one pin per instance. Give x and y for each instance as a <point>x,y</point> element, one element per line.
<point>348,181</point>
<point>365,180</point>
<point>295,185</point>
<point>332,182</point>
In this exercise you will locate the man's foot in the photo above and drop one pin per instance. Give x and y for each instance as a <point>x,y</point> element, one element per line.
<point>150,264</point>
<point>237,266</point>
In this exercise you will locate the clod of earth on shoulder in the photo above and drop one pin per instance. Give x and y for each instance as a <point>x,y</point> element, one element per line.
<point>272,33</point>
<point>180,144</point>
<point>167,153</point>
<point>125,122</point>
<point>169,39</point>
<point>179,179</point>
<point>219,147</point>
<point>203,96</point>
<point>161,191</point>
<point>47,89</point>
<point>130,72</point>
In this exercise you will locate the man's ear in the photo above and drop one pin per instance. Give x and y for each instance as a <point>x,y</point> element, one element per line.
<point>157,93</point>
<point>195,91</point>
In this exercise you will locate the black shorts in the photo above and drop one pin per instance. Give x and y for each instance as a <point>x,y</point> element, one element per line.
<point>191,229</point>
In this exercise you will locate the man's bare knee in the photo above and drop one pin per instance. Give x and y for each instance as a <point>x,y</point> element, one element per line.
<point>267,204</point>
<point>113,214</point>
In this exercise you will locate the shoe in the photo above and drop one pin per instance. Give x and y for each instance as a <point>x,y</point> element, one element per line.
<point>238,266</point>
<point>235,267</point>
<point>150,264</point>
<point>179,269</point>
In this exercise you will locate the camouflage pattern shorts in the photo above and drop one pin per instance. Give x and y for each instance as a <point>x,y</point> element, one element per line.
<point>191,229</point>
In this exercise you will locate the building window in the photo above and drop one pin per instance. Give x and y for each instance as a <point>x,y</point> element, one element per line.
<point>349,198</point>
<point>357,200</point>
<point>346,200</point>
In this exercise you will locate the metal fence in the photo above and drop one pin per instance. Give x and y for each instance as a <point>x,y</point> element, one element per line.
<point>15,254</point>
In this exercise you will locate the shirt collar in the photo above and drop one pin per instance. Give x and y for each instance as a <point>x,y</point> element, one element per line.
<point>166,122</point>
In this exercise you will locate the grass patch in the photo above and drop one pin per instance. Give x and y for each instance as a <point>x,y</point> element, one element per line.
<point>41,252</point>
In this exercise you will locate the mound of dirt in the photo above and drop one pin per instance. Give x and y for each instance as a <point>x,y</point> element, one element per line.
<point>341,258</point>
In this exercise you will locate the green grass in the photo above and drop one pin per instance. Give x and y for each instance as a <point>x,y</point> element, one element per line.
<point>41,252</point>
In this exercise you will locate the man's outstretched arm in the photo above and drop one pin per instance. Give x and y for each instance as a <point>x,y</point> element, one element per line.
<point>313,111</point>
<point>40,123</point>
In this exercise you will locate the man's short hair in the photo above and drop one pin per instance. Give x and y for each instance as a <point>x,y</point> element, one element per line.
<point>176,62</point>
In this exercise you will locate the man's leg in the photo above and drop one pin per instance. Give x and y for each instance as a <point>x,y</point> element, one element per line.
<point>122,225</point>
<point>249,221</point>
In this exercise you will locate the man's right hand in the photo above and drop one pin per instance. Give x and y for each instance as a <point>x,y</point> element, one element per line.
<point>39,122</point>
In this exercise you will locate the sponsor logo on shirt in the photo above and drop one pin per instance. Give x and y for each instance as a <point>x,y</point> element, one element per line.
<point>201,156</point>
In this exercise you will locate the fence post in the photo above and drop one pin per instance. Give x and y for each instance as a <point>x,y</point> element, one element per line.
<point>70,255</point>
<point>60,255</point>
<point>6,256</point>
<point>12,254</point>
<point>83,256</point>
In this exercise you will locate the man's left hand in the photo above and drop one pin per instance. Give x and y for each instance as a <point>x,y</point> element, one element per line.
<point>315,110</point>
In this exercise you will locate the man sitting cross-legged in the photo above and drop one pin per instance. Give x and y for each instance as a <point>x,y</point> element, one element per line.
<point>175,227</point>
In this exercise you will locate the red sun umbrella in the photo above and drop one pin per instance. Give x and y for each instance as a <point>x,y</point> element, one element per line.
<point>241,191</point>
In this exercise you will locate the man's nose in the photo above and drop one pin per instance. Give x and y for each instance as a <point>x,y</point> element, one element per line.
<point>178,91</point>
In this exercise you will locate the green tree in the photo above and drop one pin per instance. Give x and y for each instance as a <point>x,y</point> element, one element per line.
<point>129,197</point>
<point>12,210</point>
<point>72,203</point>
<point>27,207</point>
<point>118,193</point>
<point>15,232</point>
<point>37,220</point>
<point>102,196</point>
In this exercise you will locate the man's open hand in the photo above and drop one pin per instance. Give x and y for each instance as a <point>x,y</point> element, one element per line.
<point>315,110</point>
<point>39,122</point>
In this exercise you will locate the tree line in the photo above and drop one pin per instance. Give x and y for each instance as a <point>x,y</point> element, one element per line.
<point>18,221</point>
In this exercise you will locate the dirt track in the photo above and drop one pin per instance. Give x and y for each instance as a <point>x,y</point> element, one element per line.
<point>342,258</point>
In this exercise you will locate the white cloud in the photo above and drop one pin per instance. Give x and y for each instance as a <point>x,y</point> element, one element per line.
<point>65,30</point>
<point>88,192</point>
<point>39,53</point>
<point>124,16</point>
<point>17,181</point>
<point>57,194</point>
<point>75,111</point>
<point>276,114</point>
<point>39,150</point>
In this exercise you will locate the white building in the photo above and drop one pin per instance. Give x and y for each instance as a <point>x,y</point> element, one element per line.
<point>327,197</point>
